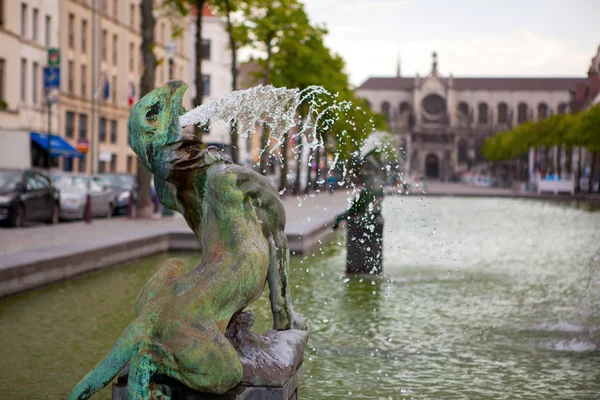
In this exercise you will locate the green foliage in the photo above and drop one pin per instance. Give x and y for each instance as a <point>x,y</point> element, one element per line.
<point>568,130</point>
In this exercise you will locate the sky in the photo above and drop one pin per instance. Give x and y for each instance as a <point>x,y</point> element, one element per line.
<point>545,38</point>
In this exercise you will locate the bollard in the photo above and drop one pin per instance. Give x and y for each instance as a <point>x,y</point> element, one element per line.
<point>365,243</point>
<point>87,214</point>
<point>130,205</point>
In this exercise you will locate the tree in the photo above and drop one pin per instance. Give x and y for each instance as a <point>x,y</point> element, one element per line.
<point>268,23</point>
<point>587,134</point>
<point>148,22</point>
<point>238,36</point>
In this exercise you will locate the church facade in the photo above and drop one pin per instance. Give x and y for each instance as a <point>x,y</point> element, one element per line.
<point>440,122</point>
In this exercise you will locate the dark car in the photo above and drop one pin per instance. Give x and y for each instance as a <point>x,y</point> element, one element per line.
<point>27,195</point>
<point>122,186</point>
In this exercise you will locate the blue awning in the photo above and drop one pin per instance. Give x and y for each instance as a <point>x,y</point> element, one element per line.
<point>58,146</point>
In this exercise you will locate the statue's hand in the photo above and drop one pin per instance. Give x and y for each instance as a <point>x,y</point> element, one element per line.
<point>299,321</point>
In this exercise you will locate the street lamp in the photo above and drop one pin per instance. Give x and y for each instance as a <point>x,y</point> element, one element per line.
<point>171,52</point>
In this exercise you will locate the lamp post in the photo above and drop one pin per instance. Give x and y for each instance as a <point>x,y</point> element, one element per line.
<point>171,52</point>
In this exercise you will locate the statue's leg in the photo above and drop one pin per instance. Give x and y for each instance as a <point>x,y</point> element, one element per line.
<point>205,360</point>
<point>109,367</point>
<point>160,283</point>
<point>141,369</point>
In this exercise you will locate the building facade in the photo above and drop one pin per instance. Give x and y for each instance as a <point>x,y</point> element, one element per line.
<point>441,122</point>
<point>27,29</point>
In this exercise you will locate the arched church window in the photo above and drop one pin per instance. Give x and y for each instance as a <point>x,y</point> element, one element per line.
<point>502,113</point>
<point>404,107</point>
<point>463,109</point>
<point>522,113</point>
<point>482,113</point>
<point>463,148</point>
<point>385,109</point>
<point>562,108</point>
<point>542,111</point>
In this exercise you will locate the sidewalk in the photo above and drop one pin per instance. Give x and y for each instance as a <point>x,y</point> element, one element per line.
<point>41,254</point>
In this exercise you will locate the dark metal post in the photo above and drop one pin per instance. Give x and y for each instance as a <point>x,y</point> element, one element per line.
<point>170,68</point>
<point>48,157</point>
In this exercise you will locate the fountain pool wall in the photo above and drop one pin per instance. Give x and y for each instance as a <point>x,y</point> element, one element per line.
<point>481,298</point>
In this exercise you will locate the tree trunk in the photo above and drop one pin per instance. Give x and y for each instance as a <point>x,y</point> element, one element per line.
<point>318,169</point>
<point>199,4</point>
<point>233,135</point>
<point>309,170</point>
<point>592,173</point>
<point>148,22</point>
<point>297,184</point>
<point>284,162</point>
<point>264,139</point>
<point>558,159</point>
<point>578,175</point>
<point>569,160</point>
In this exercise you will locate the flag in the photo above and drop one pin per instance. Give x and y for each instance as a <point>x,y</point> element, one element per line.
<point>106,88</point>
<point>131,95</point>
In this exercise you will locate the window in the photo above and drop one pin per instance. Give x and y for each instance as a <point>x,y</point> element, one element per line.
<point>70,125</point>
<point>114,90</point>
<point>83,81</point>
<point>131,56</point>
<point>1,12</point>
<point>206,49</point>
<point>463,110</point>
<point>103,44</point>
<point>562,108</point>
<point>115,46</point>
<point>522,113</point>
<point>70,77</point>
<point>115,9</point>
<point>113,163</point>
<point>102,129</point>
<point>385,110</point>
<point>68,164</point>
<point>71,31</point>
<point>34,25</point>
<point>162,33</point>
<point>83,36</point>
<point>101,167</point>
<point>132,15</point>
<point>81,163</point>
<point>130,164</point>
<point>542,111</point>
<point>23,79</point>
<point>482,113</point>
<point>206,85</point>
<point>502,113</point>
<point>113,131</point>
<point>23,19</point>
<point>462,151</point>
<point>1,78</point>
<point>47,27</point>
<point>83,126</point>
<point>34,83</point>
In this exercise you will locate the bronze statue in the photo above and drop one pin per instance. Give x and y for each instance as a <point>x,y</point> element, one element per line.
<point>237,216</point>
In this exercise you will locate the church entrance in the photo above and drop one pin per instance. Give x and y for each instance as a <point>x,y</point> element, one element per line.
<point>432,166</point>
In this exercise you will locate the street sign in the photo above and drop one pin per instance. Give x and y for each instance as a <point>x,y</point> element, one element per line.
<point>51,78</point>
<point>54,57</point>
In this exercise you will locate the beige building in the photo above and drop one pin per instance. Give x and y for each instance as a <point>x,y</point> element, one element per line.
<point>441,122</point>
<point>27,29</point>
<point>100,70</point>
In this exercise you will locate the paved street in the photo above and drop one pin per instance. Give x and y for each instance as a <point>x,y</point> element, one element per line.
<point>303,213</point>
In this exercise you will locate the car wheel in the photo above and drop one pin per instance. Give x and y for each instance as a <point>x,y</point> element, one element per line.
<point>55,217</point>
<point>18,217</point>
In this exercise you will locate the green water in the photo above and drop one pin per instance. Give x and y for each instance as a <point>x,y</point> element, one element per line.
<point>481,298</point>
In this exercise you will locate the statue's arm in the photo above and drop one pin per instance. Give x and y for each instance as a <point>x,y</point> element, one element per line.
<point>167,193</point>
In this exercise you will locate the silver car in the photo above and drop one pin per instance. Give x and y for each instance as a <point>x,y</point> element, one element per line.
<point>73,191</point>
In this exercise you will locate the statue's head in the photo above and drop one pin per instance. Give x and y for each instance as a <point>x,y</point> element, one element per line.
<point>154,131</point>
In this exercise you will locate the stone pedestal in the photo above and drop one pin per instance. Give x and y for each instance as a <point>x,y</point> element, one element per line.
<point>365,243</point>
<point>271,363</point>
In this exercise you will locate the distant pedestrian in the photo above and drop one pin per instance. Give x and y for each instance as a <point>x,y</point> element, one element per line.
<point>332,181</point>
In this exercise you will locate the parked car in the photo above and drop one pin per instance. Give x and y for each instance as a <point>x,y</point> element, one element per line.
<point>73,193</point>
<point>27,195</point>
<point>122,187</point>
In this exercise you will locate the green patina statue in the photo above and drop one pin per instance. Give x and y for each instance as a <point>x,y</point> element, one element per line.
<point>237,216</point>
